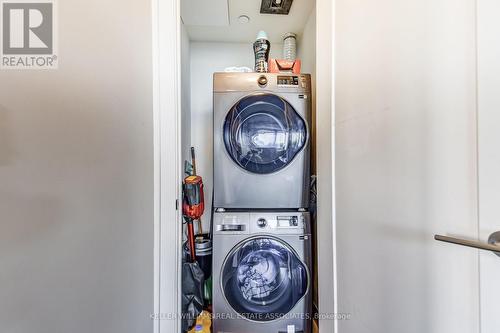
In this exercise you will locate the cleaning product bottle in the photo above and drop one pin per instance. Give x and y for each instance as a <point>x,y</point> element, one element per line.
<point>261,47</point>
<point>203,323</point>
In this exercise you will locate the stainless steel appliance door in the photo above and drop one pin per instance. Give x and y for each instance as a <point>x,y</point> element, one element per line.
<point>263,279</point>
<point>236,187</point>
<point>263,133</point>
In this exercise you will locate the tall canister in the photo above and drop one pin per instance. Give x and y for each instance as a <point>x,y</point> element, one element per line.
<point>290,46</point>
<point>261,48</point>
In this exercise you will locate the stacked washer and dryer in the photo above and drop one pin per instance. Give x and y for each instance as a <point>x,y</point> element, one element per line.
<point>261,233</point>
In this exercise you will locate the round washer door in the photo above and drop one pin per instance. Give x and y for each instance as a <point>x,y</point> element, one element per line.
<point>263,133</point>
<point>263,279</point>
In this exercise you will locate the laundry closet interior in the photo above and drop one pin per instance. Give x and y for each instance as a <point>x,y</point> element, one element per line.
<point>254,138</point>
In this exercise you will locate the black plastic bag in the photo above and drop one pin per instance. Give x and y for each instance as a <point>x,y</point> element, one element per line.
<point>192,294</point>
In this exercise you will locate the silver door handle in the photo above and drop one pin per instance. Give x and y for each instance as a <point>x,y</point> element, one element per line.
<point>492,245</point>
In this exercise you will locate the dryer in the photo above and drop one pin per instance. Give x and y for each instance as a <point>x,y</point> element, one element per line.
<point>261,140</point>
<point>261,275</point>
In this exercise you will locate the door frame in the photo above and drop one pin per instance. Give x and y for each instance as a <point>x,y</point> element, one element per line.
<point>166,38</point>
<point>167,170</point>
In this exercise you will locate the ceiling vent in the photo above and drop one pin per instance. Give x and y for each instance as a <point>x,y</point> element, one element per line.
<point>281,7</point>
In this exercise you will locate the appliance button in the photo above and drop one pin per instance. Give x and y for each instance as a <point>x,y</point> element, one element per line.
<point>261,223</point>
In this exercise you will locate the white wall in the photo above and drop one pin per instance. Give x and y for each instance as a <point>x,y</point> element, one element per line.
<point>306,52</point>
<point>306,46</point>
<point>76,178</point>
<point>405,104</point>
<point>327,279</point>
<point>206,59</point>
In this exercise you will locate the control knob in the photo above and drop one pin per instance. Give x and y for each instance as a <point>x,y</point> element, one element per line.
<point>262,81</point>
<point>261,223</point>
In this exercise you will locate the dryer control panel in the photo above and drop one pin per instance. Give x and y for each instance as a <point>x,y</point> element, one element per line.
<point>252,82</point>
<point>288,80</point>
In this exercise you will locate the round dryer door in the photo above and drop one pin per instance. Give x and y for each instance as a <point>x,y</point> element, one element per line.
<point>263,133</point>
<point>263,279</point>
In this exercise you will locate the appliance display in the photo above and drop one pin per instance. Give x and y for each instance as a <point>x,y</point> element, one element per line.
<point>261,272</point>
<point>261,141</point>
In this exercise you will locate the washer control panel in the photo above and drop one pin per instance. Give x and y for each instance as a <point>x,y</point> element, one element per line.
<point>279,223</point>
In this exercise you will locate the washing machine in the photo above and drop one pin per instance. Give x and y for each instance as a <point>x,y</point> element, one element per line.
<point>261,140</point>
<point>261,276</point>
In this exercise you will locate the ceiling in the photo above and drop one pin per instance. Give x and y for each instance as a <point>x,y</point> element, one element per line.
<point>217,20</point>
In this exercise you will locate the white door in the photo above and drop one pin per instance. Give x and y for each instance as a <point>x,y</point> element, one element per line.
<point>489,157</point>
<point>406,167</point>
<point>488,161</point>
